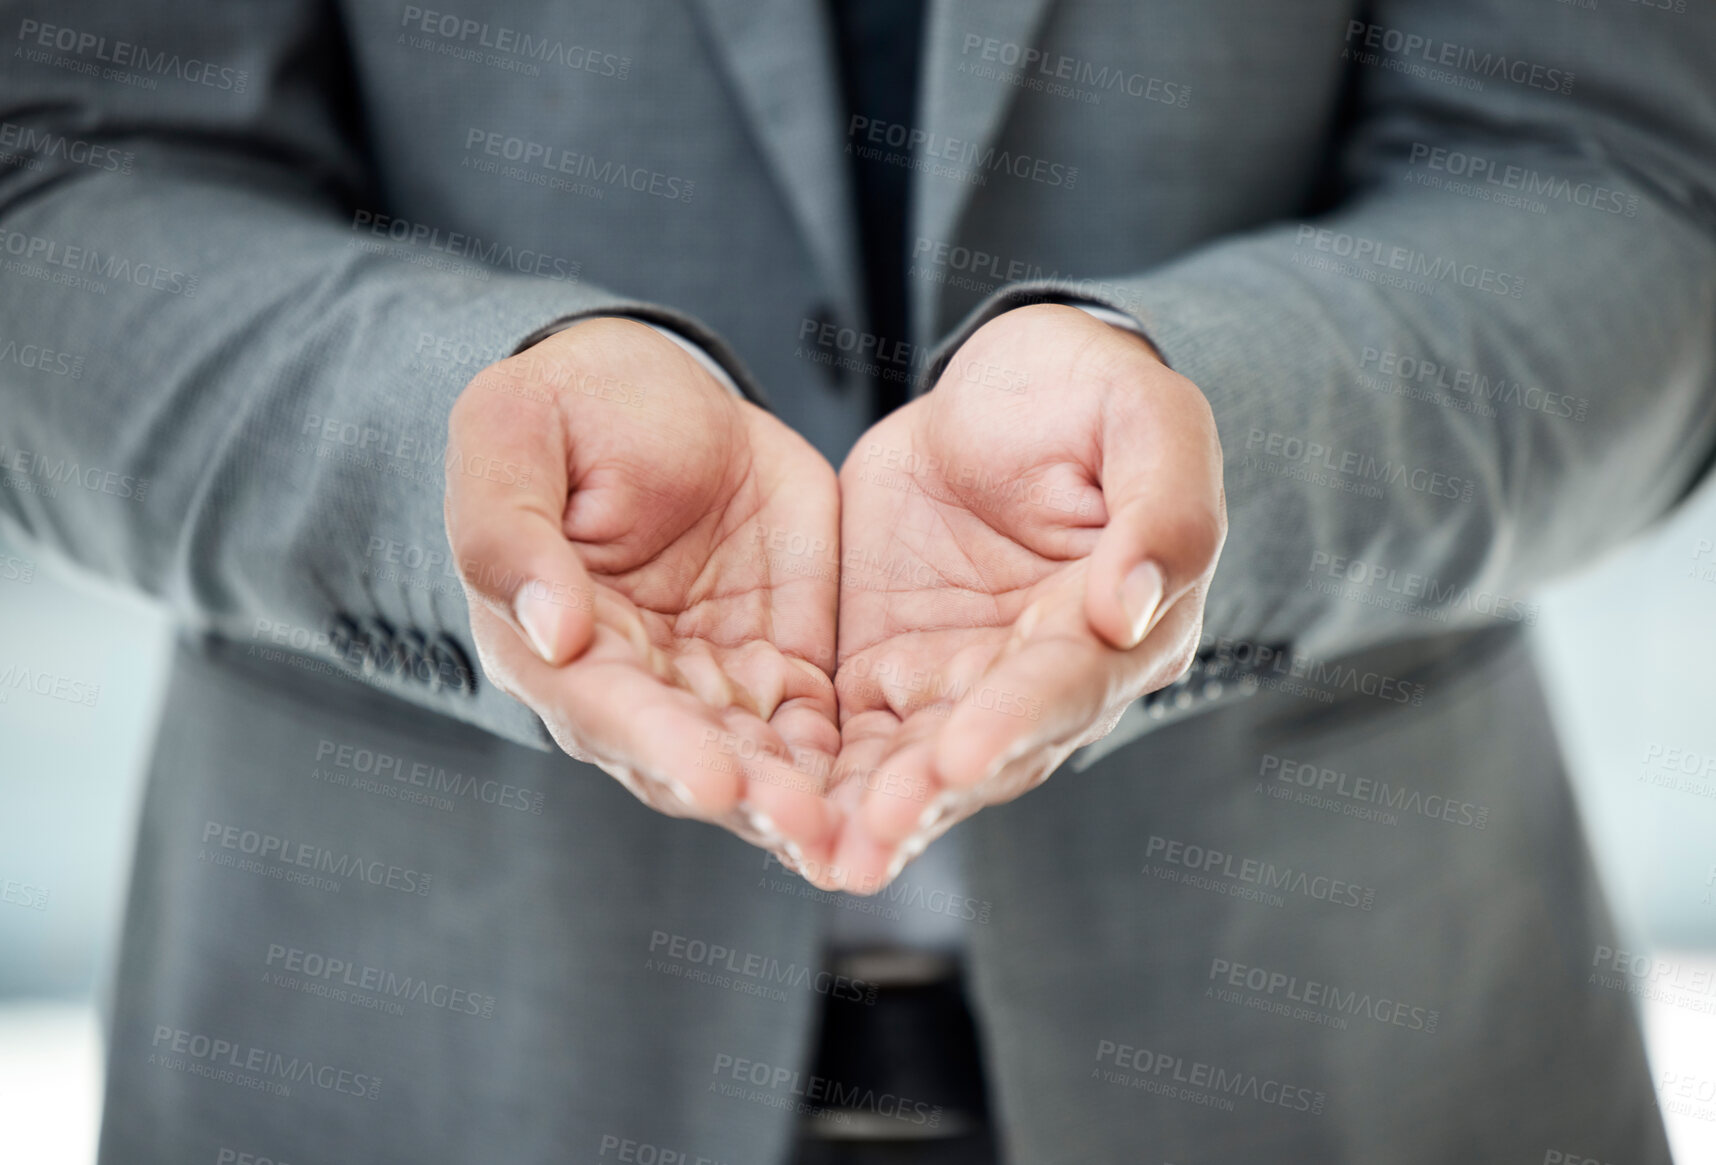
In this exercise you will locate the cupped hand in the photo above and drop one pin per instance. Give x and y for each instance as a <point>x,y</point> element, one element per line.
<point>1025,551</point>
<point>607,503</point>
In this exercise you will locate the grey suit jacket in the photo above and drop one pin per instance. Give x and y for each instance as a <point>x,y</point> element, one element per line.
<point>1446,272</point>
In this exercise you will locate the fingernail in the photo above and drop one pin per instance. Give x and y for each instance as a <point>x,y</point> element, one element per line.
<point>761,824</point>
<point>911,848</point>
<point>539,617</point>
<point>1140,595</point>
<point>938,811</point>
<point>765,825</point>
<point>679,789</point>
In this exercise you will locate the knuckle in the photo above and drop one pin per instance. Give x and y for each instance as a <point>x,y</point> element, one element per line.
<point>1197,536</point>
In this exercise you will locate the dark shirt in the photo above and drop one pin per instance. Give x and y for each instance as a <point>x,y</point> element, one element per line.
<point>880,45</point>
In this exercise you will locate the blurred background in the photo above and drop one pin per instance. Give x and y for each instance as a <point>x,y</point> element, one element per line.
<point>1622,652</point>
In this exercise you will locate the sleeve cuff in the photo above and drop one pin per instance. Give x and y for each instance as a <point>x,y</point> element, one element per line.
<point>699,343</point>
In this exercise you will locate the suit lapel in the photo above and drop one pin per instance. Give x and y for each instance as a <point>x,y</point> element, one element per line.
<point>960,106</point>
<point>779,58</point>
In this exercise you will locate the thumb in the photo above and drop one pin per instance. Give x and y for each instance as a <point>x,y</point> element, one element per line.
<point>1167,517</point>
<point>506,497</point>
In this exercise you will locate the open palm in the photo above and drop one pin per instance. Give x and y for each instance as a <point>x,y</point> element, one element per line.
<point>675,646</point>
<point>1025,551</point>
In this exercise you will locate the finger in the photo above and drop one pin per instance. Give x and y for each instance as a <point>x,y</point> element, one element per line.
<point>904,837</point>
<point>1162,487</point>
<point>610,709</point>
<point>800,541</point>
<point>900,788</point>
<point>889,832</point>
<point>708,681</point>
<point>663,743</point>
<point>858,865</point>
<point>797,701</point>
<point>766,678</point>
<point>783,789</point>
<point>506,497</point>
<point>1057,687</point>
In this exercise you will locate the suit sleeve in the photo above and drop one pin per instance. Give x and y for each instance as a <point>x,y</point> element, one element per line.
<point>228,383</point>
<point>1492,359</point>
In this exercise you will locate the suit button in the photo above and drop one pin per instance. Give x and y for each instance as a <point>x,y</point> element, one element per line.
<point>414,657</point>
<point>823,316</point>
<point>381,645</point>
<point>346,638</point>
<point>452,667</point>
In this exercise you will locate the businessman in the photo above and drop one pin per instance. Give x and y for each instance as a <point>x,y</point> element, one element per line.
<point>1211,387</point>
